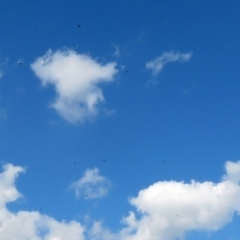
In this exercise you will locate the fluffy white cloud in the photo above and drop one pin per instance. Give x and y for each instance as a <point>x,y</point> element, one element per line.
<point>157,64</point>
<point>91,185</point>
<point>8,191</point>
<point>170,209</point>
<point>76,78</point>
<point>26,225</point>
<point>166,210</point>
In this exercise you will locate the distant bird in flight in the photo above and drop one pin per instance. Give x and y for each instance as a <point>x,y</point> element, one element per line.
<point>20,63</point>
<point>79,25</point>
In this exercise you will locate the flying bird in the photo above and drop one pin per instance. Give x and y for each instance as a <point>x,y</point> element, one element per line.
<point>79,25</point>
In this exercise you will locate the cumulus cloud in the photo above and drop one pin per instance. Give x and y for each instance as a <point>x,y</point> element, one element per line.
<point>170,209</point>
<point>91,185</point>
<point>76,78</point>
<point>30,225</point>
<point>157,64</point>
<point>165,210</point>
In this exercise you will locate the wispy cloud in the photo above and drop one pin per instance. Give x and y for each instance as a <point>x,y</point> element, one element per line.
<point>76,78</point>
<point>158,63</point>
<point>91,185</point>
<point>117,51</point>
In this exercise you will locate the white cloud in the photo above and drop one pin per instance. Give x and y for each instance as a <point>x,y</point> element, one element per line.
<point>29,225</point>
<point>75,78</point>
<point>8,191</point>
<point>166,210</point>
<point>157,64</point>
<point>169,209</point>
<point>91,185</point>
<point>98,232</point>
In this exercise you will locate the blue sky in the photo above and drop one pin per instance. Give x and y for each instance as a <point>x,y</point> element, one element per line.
<point>125,127</point>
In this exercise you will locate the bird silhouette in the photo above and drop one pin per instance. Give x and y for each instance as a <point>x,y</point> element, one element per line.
<point>79,25</point>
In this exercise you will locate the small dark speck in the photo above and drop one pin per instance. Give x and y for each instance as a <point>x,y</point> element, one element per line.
<point>163,161</point>
<point>104,160</point>
<point>126,71</point>
<point>74,163</point>
<point>160,147</point>
<point>234,126</point>
<point>20,63</point>
<point>79,25</point>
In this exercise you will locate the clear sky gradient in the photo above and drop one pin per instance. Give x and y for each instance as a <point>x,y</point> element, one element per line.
<point>109,110</point>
